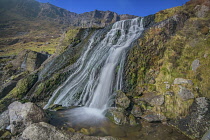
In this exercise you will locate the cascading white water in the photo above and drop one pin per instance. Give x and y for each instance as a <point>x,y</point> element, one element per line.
<point>100,68</point>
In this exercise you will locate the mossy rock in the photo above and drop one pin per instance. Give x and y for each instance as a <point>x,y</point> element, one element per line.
<point>21,89</point>
<point>117,116</point>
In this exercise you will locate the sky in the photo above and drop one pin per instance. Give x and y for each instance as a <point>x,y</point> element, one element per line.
<point>132,7</point>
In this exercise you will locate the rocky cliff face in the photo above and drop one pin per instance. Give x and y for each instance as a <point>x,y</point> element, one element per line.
<point>168,67</point>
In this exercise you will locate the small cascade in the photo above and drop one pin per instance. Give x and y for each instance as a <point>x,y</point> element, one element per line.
<point>99,70</point>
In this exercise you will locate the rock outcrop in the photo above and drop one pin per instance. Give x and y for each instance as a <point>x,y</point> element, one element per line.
<point>23,115</point>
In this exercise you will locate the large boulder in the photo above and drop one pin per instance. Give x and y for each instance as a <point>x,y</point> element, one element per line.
<point>44,131</point>
<point>22,115</point>
<point>153,99</point>
<point>122,100</point>
<point>157,100</point>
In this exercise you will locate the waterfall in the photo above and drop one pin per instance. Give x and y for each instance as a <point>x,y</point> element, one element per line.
<point>99,70</point>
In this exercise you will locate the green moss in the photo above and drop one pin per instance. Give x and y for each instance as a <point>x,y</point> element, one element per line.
<point>22,87</point>
<point>47,86</point>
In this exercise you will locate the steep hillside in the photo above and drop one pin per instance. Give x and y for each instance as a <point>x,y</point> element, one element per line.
<point>171,62</point>
<point>28,24</point>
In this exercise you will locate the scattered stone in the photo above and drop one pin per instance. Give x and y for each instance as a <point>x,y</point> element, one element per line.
<point>122,100</point>
<point>136,111</point>
<point>4,119</point>
<point>22,115</point>
<point>157,100</point>
<point>178,81</point>
<point>185,94</point>
<point>117,116</point>
<point>170,93</point>
<point>195,65</point>
<point>152,117</point>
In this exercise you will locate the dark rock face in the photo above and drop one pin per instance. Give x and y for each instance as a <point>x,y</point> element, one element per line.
<point>197,123</point>
<point>22,115</point>
<point>6,88</point>
<point>149,21</point>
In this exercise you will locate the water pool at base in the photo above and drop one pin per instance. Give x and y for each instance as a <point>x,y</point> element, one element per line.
<point>94,124</point>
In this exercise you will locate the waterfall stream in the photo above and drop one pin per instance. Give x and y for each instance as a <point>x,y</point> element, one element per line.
<point>99,70</point>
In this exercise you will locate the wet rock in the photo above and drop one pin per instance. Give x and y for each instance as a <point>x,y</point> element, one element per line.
<point>178,81</point>
<point>195,65</point>
<point>22,115</point>
<point>197,122</point>
<point>153,117</point>
<point>122,100</point>
<point>185,94</point>
<point>4,119</point>
<point>136,111</point>
<point>117,116</point>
